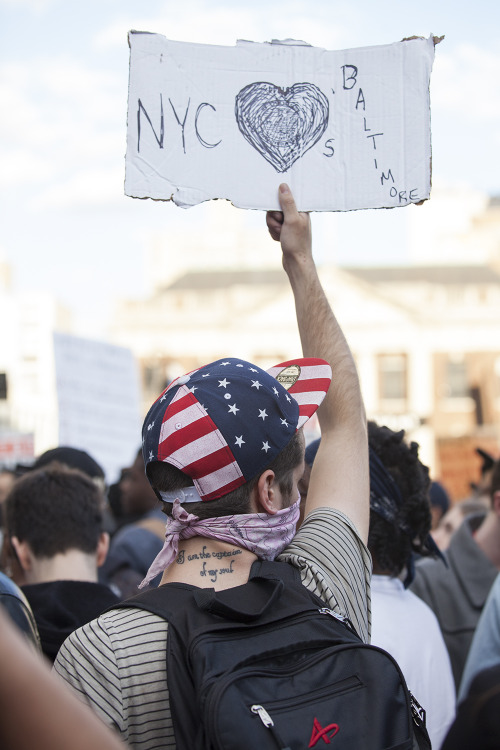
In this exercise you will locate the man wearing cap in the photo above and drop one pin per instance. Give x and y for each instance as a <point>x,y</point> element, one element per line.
<point>224,451</point>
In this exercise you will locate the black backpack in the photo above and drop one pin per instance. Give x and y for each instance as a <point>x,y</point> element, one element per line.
<point>266,666</point>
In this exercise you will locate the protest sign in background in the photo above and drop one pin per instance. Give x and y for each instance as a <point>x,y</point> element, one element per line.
<point>346,129</point>
<point>98,400</point>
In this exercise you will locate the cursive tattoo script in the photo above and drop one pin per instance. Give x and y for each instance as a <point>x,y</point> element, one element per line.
<point>208,569</point>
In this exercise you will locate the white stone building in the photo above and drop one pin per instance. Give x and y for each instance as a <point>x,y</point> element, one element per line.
<point>426,337</point>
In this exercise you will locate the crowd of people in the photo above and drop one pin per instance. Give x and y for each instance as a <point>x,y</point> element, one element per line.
<point>224,473</point>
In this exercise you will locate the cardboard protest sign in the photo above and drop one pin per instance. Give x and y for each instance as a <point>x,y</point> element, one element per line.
<point>345,129</point>
<point>98,399</point>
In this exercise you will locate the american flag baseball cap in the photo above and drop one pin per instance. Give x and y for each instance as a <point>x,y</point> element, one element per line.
<point>226,422</point>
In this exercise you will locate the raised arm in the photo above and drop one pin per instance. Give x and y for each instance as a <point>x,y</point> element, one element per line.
<point>340,477</point>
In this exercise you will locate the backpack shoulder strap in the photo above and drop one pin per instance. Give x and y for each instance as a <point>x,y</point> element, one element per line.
<point>164,600</point>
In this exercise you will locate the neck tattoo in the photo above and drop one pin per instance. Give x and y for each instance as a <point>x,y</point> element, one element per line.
<point>213,564</point>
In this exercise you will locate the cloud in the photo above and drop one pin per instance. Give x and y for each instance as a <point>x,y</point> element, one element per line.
<point>467,83</point>
<point>204,23</point>
<point>86,187</point>
<point>59,114</point>
<point>20,166</point>
<point>38,6</point>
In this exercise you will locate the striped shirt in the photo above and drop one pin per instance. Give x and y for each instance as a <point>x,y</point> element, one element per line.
<point>117,663</point>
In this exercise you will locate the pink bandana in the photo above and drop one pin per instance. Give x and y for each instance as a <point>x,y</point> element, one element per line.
<point>264,535</point>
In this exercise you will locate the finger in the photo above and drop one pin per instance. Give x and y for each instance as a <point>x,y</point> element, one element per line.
<point>274,221</point>
<point>287,201</point>
<point>276,216</point>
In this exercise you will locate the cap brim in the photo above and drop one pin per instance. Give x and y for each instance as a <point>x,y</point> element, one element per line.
<point>307,380</point>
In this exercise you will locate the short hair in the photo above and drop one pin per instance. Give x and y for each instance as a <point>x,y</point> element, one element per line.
<point>166,478</point>
<point>391,543</point>
<point>55,509</point>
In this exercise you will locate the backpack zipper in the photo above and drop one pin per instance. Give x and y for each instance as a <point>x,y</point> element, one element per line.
<point>341,618</point>
<point>418,713</point>
<point>242,633</point>
<point>269,724</point>
<point>209,705</point>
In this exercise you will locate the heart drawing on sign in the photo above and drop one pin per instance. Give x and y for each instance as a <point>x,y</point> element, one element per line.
<point>281,124</point>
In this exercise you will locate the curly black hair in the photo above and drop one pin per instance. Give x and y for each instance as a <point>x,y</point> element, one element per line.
<point>391,544</point>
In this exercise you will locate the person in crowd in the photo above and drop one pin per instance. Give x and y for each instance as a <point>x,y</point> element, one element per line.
<point>73,458</point>
<point>36,709</point>
<point>17,607</point>
<point>485,647</point>
<point>402,624</point>
<point>236,470</point>
<point>440,503</point>
<point>309,456</point>
<point>477,723</point>
<point>135,545</point>
<point>65,456</point>
<point>54,521</point>
<point>457,591</point>
<point>481,489</point>
<point>454,518</point>
<point>7,479</point>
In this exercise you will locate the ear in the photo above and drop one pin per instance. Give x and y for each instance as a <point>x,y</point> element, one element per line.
<point>265,498</point>
<point>23,553</point>
<point>102,548</point>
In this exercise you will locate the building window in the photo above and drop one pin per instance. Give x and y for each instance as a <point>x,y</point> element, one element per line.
<point>457,385</point>
<point>392,377</point>
<point>3,386</point>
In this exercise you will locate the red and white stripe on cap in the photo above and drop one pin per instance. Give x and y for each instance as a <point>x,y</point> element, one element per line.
<point>192,442</point>
<point>309,386</point>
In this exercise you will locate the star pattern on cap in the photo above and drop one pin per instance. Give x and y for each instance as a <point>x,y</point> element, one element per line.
<point>262,423</point>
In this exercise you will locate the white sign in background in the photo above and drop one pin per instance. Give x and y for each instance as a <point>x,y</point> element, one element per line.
<point>345,129</point>
<point>98,400</point>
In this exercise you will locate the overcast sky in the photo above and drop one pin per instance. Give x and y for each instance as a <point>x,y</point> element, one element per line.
<point>67,227</point>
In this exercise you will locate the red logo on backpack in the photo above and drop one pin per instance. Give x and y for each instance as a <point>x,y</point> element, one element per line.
<point>321,733</point>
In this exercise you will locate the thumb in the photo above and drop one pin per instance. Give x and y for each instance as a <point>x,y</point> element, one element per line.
<point>287,201</point>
